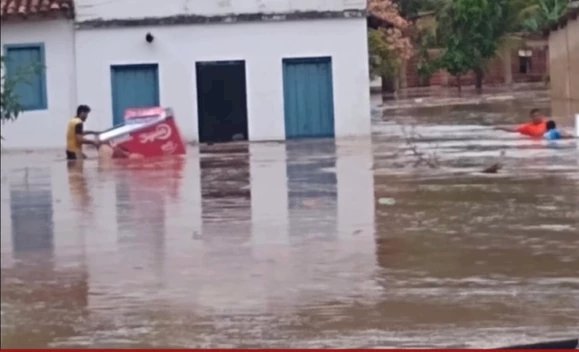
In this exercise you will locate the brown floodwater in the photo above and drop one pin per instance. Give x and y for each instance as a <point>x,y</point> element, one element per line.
<point>305,244</point>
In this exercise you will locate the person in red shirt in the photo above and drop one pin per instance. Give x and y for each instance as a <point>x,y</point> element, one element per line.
<point>536,128</point>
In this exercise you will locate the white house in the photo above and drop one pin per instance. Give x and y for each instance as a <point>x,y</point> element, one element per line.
<point>43,33</point>
<point>256,69</point>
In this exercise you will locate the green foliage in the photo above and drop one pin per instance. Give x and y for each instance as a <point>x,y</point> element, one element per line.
<point>10,107</point>
<point>383,61</point>
<point>458,58</point>
<point>535,15</point>
<point>471,31</point>
<point>426,65</point>
<point>409,8</point>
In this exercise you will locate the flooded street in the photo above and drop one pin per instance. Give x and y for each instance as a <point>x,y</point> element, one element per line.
<point>304,244</point>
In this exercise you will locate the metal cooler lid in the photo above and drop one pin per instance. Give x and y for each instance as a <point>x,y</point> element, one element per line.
<point>134,126</point>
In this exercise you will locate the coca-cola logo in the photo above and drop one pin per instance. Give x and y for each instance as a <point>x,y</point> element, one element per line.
<point>162,132</point>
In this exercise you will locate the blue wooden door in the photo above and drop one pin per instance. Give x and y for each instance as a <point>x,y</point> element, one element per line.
<point>308,98</point>
<point>133,86</point>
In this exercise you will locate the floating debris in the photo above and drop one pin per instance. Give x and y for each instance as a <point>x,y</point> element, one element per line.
<point>387,201</point>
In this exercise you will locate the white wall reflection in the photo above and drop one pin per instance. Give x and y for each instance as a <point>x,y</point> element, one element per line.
<point>260,228</point>
<point>281,225</point>
<point>31,212</point>
<point>269,189</point>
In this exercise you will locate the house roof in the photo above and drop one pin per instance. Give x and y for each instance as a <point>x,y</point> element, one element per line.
<point>24,9</point>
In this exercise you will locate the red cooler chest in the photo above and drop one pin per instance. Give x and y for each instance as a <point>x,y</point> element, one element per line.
<point>150,132</point>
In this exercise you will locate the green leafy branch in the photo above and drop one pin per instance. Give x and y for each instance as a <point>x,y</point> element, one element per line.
<point>10,106</point>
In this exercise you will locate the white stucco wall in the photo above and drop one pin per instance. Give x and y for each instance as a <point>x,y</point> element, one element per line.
<point>261,45</point>
<point>45,128</point>
<point>98,9</point>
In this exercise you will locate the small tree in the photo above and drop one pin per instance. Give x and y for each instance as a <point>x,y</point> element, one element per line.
<point>457,60</point>
<point>471,31</point>
<point>386,56</point>
<point>10,107</point>
<point>9,103</point>
<point>388,46</point>
<point>426,65</point>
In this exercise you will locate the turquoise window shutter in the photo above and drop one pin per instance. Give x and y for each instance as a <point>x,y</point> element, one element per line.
<point>25,65</point>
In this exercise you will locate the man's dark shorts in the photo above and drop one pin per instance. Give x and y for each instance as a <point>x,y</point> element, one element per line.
<point>70,155</point>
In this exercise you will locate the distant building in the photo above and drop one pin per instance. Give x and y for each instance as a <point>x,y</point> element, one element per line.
<point>527,62</point>
<point>250,69</point>
<point>564,63</point>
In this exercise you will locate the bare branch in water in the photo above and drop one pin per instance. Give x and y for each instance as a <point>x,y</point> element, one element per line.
<point>429,159</point>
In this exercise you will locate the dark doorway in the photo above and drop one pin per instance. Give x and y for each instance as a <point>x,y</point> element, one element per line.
<point>222,101</point>
<point>525,64</point>
<point>525,61</point>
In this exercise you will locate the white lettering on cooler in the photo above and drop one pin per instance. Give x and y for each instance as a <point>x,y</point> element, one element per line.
<point>162,132</point>
<point>169,147</point>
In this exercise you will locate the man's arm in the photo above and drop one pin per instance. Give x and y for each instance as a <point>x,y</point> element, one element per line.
<point>91,133</point>
<point>81,139</point>
<point>507,129</point>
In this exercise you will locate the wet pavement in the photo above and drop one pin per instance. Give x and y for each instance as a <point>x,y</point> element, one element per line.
<point>304,244</point>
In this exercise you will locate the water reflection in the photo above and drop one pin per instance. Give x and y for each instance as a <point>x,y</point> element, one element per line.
<point>31,212</point>
<point>140,203</point>
<point>78,186</point>
<point>39,299</point>
<point>226,193</point>
<point>290,245</point>
<point>312,187</point>
<point>269,189</point>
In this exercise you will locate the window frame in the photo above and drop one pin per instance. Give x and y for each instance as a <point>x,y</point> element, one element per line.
<point>43,103</point>
<point>525,65</point>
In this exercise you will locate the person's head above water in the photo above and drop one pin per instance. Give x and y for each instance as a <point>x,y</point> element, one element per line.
<point>551,125</point>
<point>82,112</point>
<point>536,116</point>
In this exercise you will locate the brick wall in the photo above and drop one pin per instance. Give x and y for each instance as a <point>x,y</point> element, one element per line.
<point>494,74</point>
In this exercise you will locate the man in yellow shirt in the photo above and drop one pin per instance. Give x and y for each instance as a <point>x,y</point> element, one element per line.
<point>75,134</point>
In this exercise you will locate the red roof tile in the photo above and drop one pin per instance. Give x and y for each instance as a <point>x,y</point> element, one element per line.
<point>35,8</point>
